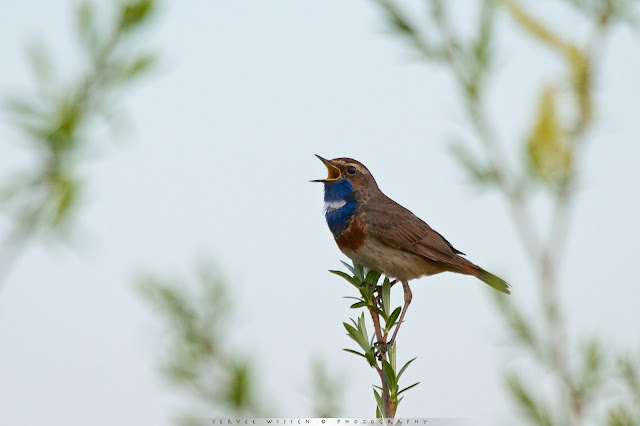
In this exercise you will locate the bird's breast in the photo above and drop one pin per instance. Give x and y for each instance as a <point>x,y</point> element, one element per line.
<point>353,237</point>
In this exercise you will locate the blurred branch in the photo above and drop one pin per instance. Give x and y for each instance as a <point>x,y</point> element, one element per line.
<point>198,358</point>
<point>552,147</point>
<point>56,121</point>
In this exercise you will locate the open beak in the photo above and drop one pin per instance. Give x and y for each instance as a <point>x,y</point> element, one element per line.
<point>334,172</point>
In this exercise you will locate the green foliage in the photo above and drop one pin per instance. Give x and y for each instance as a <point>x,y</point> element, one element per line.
<point>57,117</point>
<point>197,357</point>
<point>376,348</point>
<point>627,411</point>
<point>532,407</point>
<point>591,372</point>
<point>551,147</point>
<point>134,13</point>
<point>622,416</point>
<point>550,157</point>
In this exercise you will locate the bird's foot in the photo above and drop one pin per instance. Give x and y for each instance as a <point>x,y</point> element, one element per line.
<point>381,349</point>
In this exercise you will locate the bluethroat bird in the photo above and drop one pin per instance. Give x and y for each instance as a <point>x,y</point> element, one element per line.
<point>378,233</point>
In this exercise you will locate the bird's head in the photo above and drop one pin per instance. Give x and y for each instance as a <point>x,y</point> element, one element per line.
<point>347,178</point>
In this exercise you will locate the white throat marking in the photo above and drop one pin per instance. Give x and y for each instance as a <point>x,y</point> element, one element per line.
<point>334,205</point>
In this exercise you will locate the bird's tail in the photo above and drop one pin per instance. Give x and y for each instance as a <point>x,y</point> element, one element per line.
<point>490,279</point>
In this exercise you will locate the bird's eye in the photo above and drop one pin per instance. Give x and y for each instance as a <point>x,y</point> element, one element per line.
<point>351,170</point>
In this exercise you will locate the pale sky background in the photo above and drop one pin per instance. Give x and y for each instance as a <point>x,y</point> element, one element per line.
<point>217,165</point>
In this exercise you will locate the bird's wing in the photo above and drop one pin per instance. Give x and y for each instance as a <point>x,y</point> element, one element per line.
<point>397,227</point>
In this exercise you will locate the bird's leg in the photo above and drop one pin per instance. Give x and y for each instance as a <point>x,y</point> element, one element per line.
<point>407,300</point>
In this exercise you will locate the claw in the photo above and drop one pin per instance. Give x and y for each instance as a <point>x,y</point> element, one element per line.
<point>382,349</point>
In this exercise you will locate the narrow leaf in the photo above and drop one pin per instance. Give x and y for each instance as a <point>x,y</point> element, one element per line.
<point>529,405</point>
<point>409,387</point>
<point>372,277</point>
<point>389,375</point>
<point>352,280</point>
<point>359,304</point>
<point>386,296</point>
<point>357,337</point>
<point>390,322</point>
<point>405,367</point>
<point>354,352</point>
<point>392,357</point>
<point>379,402</point>
<point>371,359</point>
<point>359,271</point>
<point>349,267</point>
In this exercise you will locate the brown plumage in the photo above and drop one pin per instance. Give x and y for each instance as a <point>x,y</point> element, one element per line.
<point>398,228</point>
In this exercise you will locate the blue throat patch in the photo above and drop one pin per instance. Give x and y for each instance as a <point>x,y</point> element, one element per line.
<point>337,191</point>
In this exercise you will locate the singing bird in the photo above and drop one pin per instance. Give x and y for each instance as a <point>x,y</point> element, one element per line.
<point>378,233</point>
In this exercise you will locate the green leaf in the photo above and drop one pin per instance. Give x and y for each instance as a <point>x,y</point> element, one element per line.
<point>85,22</point>
<point>352,280</point>
<point>409,387</point>
<point>630,373</point>
<point>349,267</point>
<point>359,272</point>
<point>404,368</point>
<point>389,375</point>
<point>358,337</point>
<point>359,304</point>
<point>549,155</point>
<point>392,319</point>
<point>392,357</point>
<point>66,195</point>
<point>590,377</point>
<point>134,13</point>
<point>371,359</point>
<point>386,296</point>
<point>362,327</point>
<point>397,19</point>
<point>621,415</point>
<point>372,277</point>
<point>365,292</point>
<point>379,403</point>
<point>84,18</point>
<point>530,406</point>
<point>355,352</point>
<point>134,68</point>
<point>238,392</point>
